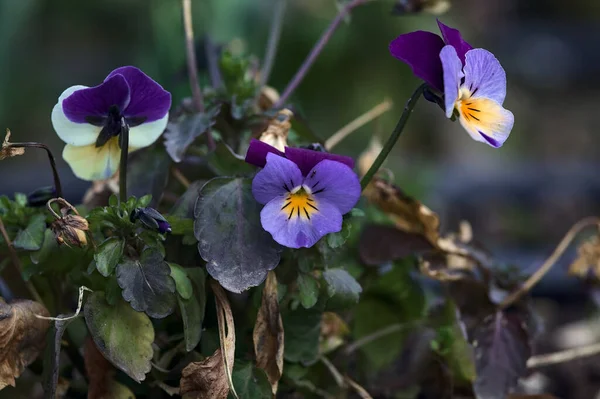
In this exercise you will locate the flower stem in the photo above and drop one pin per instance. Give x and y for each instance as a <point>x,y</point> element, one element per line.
<point>192,66</point>
<point>408,108</point>
<point>316,50</point>
<point>57,185</point>
<point>273,42</point>
<point>124,144</point>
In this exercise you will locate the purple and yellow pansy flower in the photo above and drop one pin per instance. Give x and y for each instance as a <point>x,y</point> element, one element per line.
<point>305,192</point>
<point>90,119</point>
<point>472,81</point>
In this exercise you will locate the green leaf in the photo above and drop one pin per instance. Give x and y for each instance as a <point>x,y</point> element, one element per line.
<point>308,290</point>
<point>184,207</point>
<point>250,382</point>
<point>341,286</point>
<point>180,226</point>
<point>122,335</point>
<point>47,248</point>
<point>52,355</point>
<point>21,199</point>
<point>32,238</point>
<point>182,282</point>
<point>225,162</point>
<point>144,201</point>
<point>109,255</point>
<point>112,291</point>
<point>192,310</point>
<point>336,240</point>
<point>238,251</point>
<point>147,284</point>
<point>302,330</point>
<point>148,172</point>
<point>372,316</point>
<point>182,133</point>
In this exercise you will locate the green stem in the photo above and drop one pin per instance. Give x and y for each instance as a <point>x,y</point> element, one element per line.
<point>124,143</point>
<point>410,105</point>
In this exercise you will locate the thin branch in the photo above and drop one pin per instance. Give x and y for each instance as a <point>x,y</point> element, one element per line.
<point>359,390</point>
<point>316,50</point>
<point>180,177</point>
<point>367,339</point>
<point>57,185</point>
<point>357,123</point>
<point>192,66</point>
<point>272,43</point>
<point>337,376</point>
<point>547,265</point>
<point>563,356</point>
<point>17,263</point>
<point>387,148</point>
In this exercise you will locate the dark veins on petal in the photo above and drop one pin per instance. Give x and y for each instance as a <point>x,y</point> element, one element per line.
<point>112,124</point>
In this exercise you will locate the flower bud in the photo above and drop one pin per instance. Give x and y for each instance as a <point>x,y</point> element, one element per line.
<point>152,219</point>
<point>41,196</point>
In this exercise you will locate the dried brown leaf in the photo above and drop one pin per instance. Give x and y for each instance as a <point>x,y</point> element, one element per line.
<point>99,371</point>
<point>211,378</point>
<point>7,151</point>
<point>268,334</point>
<point>22,337</point>
<point>277,130</point>
<point>587,263</point>
<point>408,214</point>
<point>333,331</point>
<point>268,97</point>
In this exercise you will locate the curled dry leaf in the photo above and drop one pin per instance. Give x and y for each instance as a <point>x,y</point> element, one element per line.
<point>587,263</point>
<point>212,377</point>
<point>408,214</point>
<point>333,331</point>
<point>277,130</point>
<point>22,337</point>
<point>268,96</point>
<point>7,151</point>
<point>268,334</point>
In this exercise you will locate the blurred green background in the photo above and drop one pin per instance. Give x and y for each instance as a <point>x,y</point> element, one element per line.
<point>522,196</point>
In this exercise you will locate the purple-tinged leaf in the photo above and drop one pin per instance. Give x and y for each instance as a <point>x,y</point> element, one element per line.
<point>502,347</point>
<point>379,244</point>
<point>181,134</point>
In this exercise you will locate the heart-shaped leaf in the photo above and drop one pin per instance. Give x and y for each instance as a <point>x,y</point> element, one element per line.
<point>238,251</point>
<point>147,284</point>
<point>308,290</point>
<point>109,255</point>
<point>342,288</point>
<point>32,237</point>
<point>121,334</point>
<point>182,133</point>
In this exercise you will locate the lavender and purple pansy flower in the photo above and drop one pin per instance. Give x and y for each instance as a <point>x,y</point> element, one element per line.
<point>305,192</point>
<point>472,81</point>
<point>90,120</point>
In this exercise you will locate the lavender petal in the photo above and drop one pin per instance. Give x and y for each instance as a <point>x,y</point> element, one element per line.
<point>484,76</point>
<point>452,77</point>
<point>334,183</point>
<point>453,38</point>
<point>278,177</point>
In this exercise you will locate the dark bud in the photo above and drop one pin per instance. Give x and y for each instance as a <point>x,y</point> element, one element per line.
<point>152,219</point>
<point>314,147</point>
<point>41,196</point>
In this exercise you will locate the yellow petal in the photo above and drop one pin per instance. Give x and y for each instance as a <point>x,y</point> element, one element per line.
<point>485,120</point>
<point>91,163</point>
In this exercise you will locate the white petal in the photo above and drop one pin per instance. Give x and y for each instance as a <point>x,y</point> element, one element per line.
<point>147,133</point>
<point>486,121</point>
<point>91,163</point>
<point>77,134</point>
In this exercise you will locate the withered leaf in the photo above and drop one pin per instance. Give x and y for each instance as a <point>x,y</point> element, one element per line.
<point>587,263</point>
<point>212,377</point>
<point>7,151</point>
<point>22,337</point>
<point>379,244</point>
<point>407,213</point>
<point>268,334</point>
<point>277,130</point>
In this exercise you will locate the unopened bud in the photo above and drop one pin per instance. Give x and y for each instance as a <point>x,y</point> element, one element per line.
<point>41,196</point>
<point>152,219</point>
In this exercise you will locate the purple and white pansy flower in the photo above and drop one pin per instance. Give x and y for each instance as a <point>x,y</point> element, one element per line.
<point>305,192</point>
<point>472,81</point>
<point>90,119</point>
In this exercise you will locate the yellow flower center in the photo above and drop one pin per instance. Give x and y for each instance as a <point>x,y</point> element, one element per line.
<point>300,204</point>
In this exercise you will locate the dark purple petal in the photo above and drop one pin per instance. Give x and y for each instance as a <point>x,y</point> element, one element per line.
<point>95,101</point>
<point>453,37</point>
<point>148,99</point>
<point>278,177</point>
<point>257,153</point>
<point>336,183</point>
<point>420,50</point>
<point>164,227</point>
<point>308,159</point>
<point>296,230</point>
